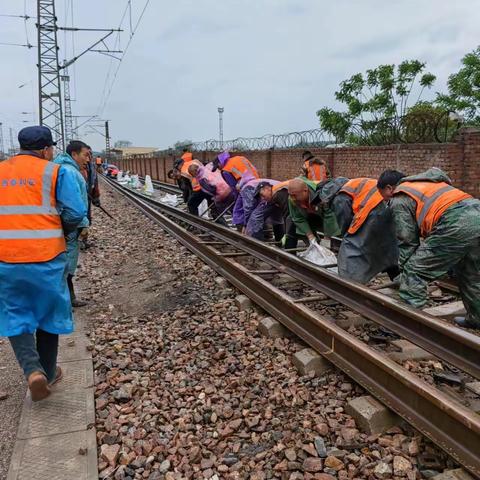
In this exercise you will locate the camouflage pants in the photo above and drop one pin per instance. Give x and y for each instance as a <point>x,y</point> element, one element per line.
<point>453,244</point>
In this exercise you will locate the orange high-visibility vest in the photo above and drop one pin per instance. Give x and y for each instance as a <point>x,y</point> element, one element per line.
<point>279,186</point>
<point>365,196</point>
<point>432,198</point>
<point>184,172</point>
<point>315,171</point>
<point>98,160</point>
<point>238,165</point>
<point>187,157</point>
<point>30,226</point>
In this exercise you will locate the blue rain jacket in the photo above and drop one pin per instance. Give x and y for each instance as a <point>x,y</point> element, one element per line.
<point>35,295</point>
<point>73,247</point>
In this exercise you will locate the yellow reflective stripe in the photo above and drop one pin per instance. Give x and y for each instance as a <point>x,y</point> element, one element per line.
<point>28,210</point>
<point>369,195</point>
<point>30,234</point>
<point>430,201</point>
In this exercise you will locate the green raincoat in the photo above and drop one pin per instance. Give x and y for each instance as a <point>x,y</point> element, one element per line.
<point>316,218</point>
<point>453,244</point>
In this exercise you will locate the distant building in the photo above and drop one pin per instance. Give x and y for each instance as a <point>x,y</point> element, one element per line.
<point>125,152</point>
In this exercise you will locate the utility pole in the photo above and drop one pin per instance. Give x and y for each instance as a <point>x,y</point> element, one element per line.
<point>68,107</point>
<point>12,150</point>
<point>106,126</point>
<point>2,148</point>
<point>107,142</point>
<point>49,93</point>
<point>220,125</point>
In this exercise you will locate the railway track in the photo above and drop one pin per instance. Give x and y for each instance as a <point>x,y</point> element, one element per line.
<point>452,426</point>
<point>164,186</point>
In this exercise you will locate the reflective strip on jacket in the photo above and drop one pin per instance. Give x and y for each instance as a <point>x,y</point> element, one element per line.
<point>365,196</point>
<point>315,171</point>
<point>30,225</point>
<point>237,166</point>
<point>432,199</point>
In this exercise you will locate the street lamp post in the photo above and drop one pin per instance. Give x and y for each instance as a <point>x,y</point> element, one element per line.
<point>220,125</point>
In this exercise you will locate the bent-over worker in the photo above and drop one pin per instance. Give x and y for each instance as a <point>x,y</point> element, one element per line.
<point>307,215</point>
<point>269,206</point>
<point>369,243</point>
<point>426,206</point>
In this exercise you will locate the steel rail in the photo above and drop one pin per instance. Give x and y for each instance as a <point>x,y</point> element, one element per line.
<point>446,422</point>
<point>167,187</point>
<point>447,342</point>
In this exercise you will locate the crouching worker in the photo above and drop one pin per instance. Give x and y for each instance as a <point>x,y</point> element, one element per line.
<point>426,206</point>
<point>369,244</point>
<point>39,203</point>
<point>75,160</point>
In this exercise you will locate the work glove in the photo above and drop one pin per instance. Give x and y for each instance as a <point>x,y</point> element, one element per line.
<point>83,234</point>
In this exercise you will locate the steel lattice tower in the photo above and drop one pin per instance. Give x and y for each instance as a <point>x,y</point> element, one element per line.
<point>68,107</point>
<point>50,100</point>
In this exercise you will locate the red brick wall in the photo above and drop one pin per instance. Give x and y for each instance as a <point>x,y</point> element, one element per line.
<point>459,159</point>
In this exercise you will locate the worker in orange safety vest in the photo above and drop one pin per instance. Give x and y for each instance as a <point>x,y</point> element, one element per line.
<point>438,229</point>
<point>369,244</point>
<point>39,204</point>
<point>314,168</point>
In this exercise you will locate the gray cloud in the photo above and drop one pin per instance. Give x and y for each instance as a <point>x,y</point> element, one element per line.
<point>271,63</point>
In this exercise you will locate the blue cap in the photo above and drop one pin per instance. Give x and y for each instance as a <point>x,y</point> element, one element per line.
<point>35,138</point>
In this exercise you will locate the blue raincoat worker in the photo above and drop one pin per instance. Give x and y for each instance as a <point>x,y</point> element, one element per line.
<point>40,202</point>
<point>76,158</point>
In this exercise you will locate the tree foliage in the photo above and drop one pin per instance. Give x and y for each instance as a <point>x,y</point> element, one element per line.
<point>376,102</point>
<point>464,89</point>
<point>182,144</point>
<point>122,144</point>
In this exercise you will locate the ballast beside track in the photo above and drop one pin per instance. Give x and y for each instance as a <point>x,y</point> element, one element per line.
<point>449,424</point>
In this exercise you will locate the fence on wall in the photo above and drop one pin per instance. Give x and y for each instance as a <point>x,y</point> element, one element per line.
<point>414,127</point>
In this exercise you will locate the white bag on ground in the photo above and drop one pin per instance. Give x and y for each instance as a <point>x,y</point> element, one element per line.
<point>318,255</point>
<point>125,179</point>
<point>135,182</point>
<point>202,208</point>
<point>169,199</point>
<point>148,187</point>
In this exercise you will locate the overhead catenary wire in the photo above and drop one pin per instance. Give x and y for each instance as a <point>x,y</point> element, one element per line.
<point>26,17</point>
<point>116,46</point>
<point>17,44</point>
<point>107,97</point>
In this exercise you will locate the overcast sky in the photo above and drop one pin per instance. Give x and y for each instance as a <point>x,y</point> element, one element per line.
<point>270,63</point>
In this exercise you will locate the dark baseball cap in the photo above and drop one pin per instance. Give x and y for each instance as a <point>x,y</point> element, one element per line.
<point>35,138</point>
<point>259,187</point>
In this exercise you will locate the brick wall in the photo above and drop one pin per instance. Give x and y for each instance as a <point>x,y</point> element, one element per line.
<point>460,159</point>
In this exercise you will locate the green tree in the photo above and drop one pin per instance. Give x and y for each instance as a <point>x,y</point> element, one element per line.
<point>122,144</point>
<point>464,89</point>
<point>376,102</point>
<point>182,144</point>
